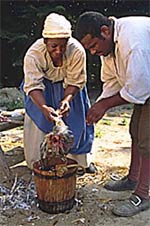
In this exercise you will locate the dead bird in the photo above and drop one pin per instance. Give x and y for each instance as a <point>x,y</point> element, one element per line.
<point>59,142</point>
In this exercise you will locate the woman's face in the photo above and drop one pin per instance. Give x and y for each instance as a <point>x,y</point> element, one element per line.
<point>56,47</point>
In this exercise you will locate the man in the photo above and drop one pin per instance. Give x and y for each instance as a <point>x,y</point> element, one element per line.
<point>55,79</point>
<point>124,45</point>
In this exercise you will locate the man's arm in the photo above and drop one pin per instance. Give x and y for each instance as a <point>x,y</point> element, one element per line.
<point>97,111</point>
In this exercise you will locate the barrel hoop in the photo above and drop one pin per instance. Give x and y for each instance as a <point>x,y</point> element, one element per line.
<point>56,207</point>
<point>65,202</point>
<point>55,177</point>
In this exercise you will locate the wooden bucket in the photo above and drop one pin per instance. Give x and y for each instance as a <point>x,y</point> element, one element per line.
<point>55,190</point>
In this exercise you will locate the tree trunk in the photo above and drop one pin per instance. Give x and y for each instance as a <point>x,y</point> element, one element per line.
<point>6,174</point>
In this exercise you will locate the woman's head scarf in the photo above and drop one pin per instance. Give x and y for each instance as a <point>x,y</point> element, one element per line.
<point>56,26</point>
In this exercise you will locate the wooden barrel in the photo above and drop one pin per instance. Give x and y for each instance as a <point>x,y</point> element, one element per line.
<point>55,192</point>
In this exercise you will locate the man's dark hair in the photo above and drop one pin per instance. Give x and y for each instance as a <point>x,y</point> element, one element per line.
<point>90,23</point>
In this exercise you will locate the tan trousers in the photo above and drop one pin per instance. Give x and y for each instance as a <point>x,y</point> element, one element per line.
<point>33,137</point>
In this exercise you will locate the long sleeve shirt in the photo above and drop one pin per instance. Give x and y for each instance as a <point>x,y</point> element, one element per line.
<point>38,64</point>
<point>127,71</point>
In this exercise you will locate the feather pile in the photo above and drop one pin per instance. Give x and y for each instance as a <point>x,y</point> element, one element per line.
<point>57,143</point>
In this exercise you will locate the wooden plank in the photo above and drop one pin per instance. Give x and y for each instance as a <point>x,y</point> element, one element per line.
<point>8,122</point>
<point>10,125</point>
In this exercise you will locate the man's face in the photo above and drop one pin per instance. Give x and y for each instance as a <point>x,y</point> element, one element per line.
<point>100,46</point>
<point>56,47</point>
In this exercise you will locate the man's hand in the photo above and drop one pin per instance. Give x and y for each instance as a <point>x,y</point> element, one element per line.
<point>95,113</point>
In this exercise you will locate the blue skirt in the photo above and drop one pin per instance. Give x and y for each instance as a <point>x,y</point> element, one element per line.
<point>76,120</point>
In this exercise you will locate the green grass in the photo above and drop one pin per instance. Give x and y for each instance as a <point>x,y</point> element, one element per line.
<point>123,122</point>
<point>15,104</point>
<point>106,122</point>
<point>98,133</point>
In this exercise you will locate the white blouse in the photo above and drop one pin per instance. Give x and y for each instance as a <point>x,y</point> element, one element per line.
<point>128,70</point>
<point>38,64</point>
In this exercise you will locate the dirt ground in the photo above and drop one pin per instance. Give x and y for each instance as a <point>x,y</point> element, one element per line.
<point>112,158</point>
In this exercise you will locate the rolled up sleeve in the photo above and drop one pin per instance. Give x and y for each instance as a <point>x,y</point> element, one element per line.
<point>137,81</point>
<point>111,86</point>
<point>33,74</point>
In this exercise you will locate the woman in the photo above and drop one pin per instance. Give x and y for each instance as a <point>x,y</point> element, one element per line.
<point>55,78</point>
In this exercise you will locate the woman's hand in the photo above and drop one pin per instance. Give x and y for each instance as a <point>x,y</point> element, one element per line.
<point>64,107</point>
<point>39,100</point>
<point>49,113</point>
<point>69,94</point>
